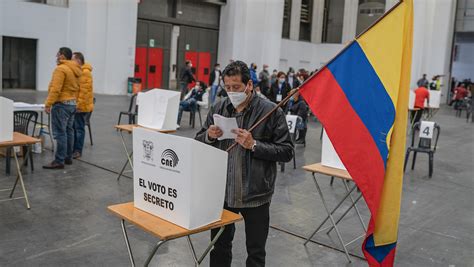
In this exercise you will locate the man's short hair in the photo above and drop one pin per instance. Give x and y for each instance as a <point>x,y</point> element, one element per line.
<point>217,65</point>
<point>66,52</point>
<point>188,62</point>
<point>237,68</point>
<point>79,56</point>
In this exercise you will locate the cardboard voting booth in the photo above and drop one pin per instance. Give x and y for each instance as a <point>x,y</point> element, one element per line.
<point>158,109</point>
<point>6,119</point>
<point>178,179</point>
<point>329,155</point>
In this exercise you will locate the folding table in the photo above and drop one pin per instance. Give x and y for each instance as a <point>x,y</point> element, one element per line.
<point>129,129</point>
<point>165,230</point>
<point>19,139</point>
<point>345,177</point>
<point>22,106</point>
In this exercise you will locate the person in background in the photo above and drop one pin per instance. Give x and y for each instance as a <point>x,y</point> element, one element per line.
<point>251,170</point>
<point>186,77</point>
<point>264,77</point>
<point>61,104</point>
<point>297,106</point>
<point>279,89</point>
<point>435,83</point>
<point>190,103</point>
<point>253,74</point>
<point>85,104</point>
<point>214,81</point>
<point>423,82</point>
<point>459,94</point>
<point>273,77</point>
<point>421,94</point>
<point>291,79</point>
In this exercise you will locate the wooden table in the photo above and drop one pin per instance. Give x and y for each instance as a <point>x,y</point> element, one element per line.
<point>165,230</point>
<point>129,129</point>
<point>19,140</point>
<point>345,177</point>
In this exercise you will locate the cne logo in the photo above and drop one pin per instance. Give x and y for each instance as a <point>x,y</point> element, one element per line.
<point>169,158</point>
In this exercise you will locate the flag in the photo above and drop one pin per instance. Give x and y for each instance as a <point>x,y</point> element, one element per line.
<point>361,99</point>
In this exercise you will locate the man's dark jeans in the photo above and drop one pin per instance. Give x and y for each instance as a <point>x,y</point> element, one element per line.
<point>62,122</point>
<point>79,131</point>
<point>186,105</point>
<point>256,231</point>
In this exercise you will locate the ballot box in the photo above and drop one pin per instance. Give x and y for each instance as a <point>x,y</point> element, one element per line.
<point>6,119</point>
<point>178,179</point>
<point>158,109</point>
<point>329,157</point>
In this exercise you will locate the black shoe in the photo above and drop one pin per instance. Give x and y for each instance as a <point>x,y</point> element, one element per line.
<point>68,161</point>
<point>76,155</point>
<point>54,165</point>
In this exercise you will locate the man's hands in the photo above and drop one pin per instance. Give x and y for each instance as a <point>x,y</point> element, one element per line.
<point>214,132</point>
<point>244,138</point>
<point>47,109</point>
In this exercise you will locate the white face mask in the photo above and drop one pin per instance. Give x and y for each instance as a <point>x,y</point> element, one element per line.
<point>237,98</point>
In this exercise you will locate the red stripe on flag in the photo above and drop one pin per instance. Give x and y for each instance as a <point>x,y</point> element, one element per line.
<point>348,134</point>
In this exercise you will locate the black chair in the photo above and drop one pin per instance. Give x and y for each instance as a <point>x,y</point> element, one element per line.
<point>293,140</point>
<point>21,124</point>
<point>88,124</point>
<point>132,111</point>
<point>424,146</point>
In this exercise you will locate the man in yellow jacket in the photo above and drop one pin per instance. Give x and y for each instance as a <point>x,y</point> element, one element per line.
<point>85,103</point>
<point>61,103</point>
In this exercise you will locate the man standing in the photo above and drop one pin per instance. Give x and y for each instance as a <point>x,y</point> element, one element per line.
<point>252,163</point>
<point>264,77</point>
<point>422,82</point>
<point>214,80</point>
<point>421,93</point>
<point>186,77</point>
<point>61,103</point>
<point>85,104</point>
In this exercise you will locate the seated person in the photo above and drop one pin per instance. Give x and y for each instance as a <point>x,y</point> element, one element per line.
<point>297,106</point>
<point>190,103</point>
<point>459,94</point>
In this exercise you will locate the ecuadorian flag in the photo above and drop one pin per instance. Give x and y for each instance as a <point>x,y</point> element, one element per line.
<point>361,99</point>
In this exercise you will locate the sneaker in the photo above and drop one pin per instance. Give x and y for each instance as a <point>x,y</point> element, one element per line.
<point>54,165</point>
<point>76,155</point>
<point>68,161</point>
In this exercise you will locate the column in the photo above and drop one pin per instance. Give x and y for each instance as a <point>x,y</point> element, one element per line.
<point>295,20</point>
<point>350,20</point>
<point>317,21</point>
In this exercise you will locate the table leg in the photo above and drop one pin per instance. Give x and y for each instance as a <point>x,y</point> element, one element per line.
<point>127,242</point>
<point>129,155</point>
<point>331,218</point>
<point>209,247</point>
<point>19,176</point>
<point>123,168</point>
<point>332,212</point>
<point>347,211</point>
<point>153,252</point>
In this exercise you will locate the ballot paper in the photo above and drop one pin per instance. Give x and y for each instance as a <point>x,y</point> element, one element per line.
<point>226,125</point>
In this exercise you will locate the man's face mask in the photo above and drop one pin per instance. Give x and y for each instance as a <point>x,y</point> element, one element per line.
<point>237,98</point>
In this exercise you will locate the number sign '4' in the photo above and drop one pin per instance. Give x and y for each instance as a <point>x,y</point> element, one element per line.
<point>426,129</point>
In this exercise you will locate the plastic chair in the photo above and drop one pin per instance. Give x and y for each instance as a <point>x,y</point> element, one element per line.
<point>424,146</point>
<point>21,124</point>
<point>200,104</point>
<point>293,140</point>
<point>132,111</point>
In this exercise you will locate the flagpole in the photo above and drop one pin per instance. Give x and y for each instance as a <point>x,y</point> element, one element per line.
<point>287,98</point>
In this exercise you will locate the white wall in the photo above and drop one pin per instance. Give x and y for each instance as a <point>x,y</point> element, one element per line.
<point>250,30</point>
<point>463,67</point>
<point>306,55</point>
<point>432,39</point>
<point>104,30</point>
<point>46,23</point>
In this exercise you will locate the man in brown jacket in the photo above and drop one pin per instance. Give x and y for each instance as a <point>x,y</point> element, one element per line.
<point>61,103</point>
<point>85,104</point>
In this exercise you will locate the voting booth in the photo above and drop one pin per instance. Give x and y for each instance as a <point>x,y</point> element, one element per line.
<point>158,109</point>
<point>178,179</point>
<point>329,157</point>
<point>6,119</point>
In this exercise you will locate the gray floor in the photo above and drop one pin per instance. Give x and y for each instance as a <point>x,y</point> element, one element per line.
<point>68,224</point>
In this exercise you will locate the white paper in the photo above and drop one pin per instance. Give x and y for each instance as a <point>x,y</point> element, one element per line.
<point>226,125</point>
<point>426,129</point>
<point>291,121</point>
<point>279,97</point>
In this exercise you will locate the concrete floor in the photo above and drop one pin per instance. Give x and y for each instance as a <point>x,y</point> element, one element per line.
<point>68,224</point>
